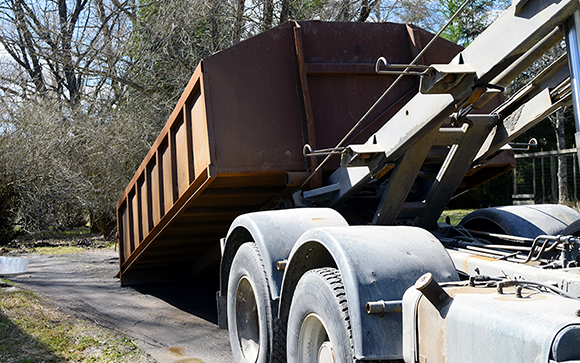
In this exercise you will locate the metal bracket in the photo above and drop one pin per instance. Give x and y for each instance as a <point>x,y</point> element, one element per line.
<point>407,68</point>
<point>522,146</point>
<point>307,151</point>
<point>442,78</point>
<point>518,5</point>
<point>358,155</point>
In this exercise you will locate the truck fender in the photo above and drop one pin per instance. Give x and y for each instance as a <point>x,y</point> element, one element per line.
<point>376,263</point>
<point>522,220</point>
<point>274,232</point>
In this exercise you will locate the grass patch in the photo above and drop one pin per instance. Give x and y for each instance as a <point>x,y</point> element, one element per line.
<point>58,243</point>
<point>56,250</point>
<point>52,234</point>
<point>31,330</point>
<point>455,215</point>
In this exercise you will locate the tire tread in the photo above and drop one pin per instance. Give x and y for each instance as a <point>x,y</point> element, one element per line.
<point>333,278</point>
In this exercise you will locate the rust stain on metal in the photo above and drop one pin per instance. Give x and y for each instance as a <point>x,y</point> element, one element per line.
<point>316,180</point>
<point>235,138</point>
<point>467,261</point>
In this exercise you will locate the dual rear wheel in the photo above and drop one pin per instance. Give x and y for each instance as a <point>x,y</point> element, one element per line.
<point>318,324</point>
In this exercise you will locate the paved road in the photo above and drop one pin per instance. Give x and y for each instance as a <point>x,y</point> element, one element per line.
<point>172,323</point>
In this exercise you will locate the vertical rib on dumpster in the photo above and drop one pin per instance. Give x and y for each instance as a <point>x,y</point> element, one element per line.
<point>239,128</point>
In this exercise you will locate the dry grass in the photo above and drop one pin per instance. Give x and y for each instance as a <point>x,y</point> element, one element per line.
<point>31,330</point>
<point>57,243</point>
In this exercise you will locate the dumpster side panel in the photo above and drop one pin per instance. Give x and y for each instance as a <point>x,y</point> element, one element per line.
<point>241,124</point>
<point>166,174</point>
<point>253,107</point>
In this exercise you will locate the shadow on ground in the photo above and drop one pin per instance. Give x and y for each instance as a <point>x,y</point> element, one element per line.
<point>196,297</point>
<point>18,346</point>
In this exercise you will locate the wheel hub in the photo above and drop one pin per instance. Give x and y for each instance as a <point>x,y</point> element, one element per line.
<point>248,328</point>
<point>326,353</point>
<point>314,343</point>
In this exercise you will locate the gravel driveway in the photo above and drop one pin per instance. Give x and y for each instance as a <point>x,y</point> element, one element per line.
<point>170,322</point>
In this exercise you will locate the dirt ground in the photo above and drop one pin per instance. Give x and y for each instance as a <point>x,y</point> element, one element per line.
<point>170,322</point>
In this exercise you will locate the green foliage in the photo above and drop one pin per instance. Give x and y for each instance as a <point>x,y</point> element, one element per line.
<point>472,21</point>
<point>455,215</point>
<point>496,192</point>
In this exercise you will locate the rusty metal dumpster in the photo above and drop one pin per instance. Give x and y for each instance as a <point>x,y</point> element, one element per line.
<point>234,142</point>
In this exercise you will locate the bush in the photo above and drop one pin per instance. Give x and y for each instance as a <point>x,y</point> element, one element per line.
<point>7,215</point>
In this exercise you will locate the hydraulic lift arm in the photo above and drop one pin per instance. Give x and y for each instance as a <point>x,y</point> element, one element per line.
<point>447,94</point>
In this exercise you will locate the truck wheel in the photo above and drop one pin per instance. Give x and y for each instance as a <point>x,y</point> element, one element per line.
<point>318,323</point>
<point>251,320</point>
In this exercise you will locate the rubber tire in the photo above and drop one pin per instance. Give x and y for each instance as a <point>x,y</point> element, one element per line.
<point>321,292</point>
<point>248,265</point>
<point>573,229</point>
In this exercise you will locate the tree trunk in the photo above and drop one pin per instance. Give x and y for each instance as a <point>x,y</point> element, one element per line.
<point>285,11</point>
<point>239,21</point>
<point>344,12</point>
<point>562,162</point>
<point>68,24</point>
<point>268,14</point>
<point>215,36</point>
<point>365,11</point>
<point>26,49</point>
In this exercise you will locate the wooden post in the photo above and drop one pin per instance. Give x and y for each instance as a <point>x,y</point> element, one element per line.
<point>554,180</point>
<point>534,177</point>
<point>574,174</point>
<point>515,181</point>
<point>543,182</point>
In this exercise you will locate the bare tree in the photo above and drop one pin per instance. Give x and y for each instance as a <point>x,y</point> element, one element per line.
<point>88,84</point>
<point>214,20</point>
<point>344,12</point>
<point>61,47</point>
<point>66,67</point>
